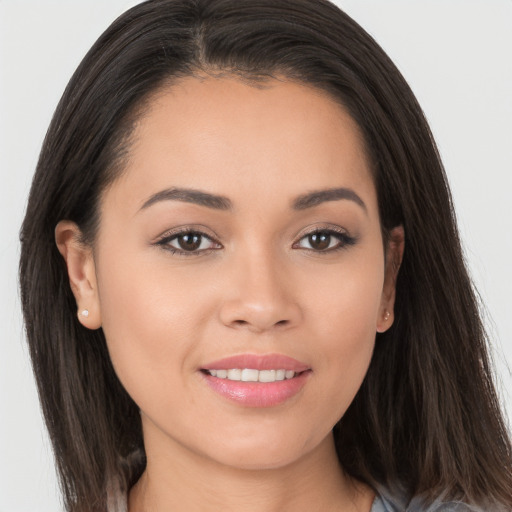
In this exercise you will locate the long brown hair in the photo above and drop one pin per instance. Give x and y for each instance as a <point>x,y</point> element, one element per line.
<point>427,416</point>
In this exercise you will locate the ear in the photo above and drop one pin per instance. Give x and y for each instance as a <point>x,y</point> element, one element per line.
<point>81,272</point>
<point>394,255</point>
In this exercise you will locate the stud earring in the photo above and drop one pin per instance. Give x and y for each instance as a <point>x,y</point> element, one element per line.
<point>85,313</point>
<point>386,316</point>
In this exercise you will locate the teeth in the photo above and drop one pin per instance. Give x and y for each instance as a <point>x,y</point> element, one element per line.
<point>234,374</point>
<point>267,376</point>
<point>251,375</point>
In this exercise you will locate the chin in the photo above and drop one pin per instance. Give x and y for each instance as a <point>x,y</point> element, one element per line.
<point>264,462</point>
<point>264,455</point>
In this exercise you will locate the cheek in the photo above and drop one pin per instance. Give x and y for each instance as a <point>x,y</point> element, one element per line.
<point>151,323</point>
<point>343,323</point>
<point>345,300</point>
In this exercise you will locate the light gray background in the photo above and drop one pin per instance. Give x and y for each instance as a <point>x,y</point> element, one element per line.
<point>456,55</point>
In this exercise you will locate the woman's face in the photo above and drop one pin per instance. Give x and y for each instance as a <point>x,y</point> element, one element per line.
<point>243,235</point>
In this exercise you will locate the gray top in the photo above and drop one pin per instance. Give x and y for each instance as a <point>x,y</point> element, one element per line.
<point>388,501</point>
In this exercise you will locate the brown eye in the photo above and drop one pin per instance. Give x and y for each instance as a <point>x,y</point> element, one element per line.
<point>325,241</point>
<point>320,241</point>
<point>189,241</point>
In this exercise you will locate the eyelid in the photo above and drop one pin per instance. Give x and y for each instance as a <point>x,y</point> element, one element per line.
<point>320,228</point>
<point>186,228</point>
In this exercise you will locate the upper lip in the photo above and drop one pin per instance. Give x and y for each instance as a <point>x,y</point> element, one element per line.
<point>258,362</point>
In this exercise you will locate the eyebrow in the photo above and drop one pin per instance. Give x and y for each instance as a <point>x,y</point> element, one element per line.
<point>187,195</point>
<point>321,196</point>
<point>217,202</point>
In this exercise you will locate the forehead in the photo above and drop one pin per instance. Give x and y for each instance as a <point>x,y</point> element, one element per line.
<point>231,137</point>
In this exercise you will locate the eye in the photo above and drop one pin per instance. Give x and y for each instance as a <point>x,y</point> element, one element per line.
<point>324,240</point>
<point>188,242</point>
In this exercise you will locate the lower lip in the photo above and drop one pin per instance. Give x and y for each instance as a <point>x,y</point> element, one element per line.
<point>258,394</point>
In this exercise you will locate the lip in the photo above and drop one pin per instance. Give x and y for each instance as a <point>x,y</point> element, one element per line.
<point>258,362</point>
<point>257,394</point>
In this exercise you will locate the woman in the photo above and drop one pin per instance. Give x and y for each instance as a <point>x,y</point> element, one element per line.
<point>242,280</point>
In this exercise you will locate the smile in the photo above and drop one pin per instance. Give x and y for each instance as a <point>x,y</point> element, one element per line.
<point>256,380</point>
<point>252,375</point>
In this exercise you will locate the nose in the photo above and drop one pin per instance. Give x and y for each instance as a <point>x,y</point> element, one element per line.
<point>259,296</point>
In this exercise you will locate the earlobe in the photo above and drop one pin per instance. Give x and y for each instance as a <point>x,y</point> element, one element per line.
<point>394,255</point>
<point>81,273</point>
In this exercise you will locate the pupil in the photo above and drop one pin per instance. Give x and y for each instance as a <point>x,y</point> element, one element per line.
<point>320,241</point>
<point>189,242</point>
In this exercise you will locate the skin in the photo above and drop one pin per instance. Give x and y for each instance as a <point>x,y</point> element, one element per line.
<point>261,288</point>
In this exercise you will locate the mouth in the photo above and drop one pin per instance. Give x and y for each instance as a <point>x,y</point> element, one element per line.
<point>252,374</point>
<point>252,380</point>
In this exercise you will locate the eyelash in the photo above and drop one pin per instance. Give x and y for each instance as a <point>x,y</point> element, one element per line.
<point>166,239</point>
<point>344,241</point>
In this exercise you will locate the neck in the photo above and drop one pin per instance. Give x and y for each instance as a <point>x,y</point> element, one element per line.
<point>183,480</point>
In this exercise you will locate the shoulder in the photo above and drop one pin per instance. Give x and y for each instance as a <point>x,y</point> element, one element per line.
<point>387,500</point>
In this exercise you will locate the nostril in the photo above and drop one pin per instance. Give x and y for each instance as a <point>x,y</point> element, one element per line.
<point>244,323</point>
